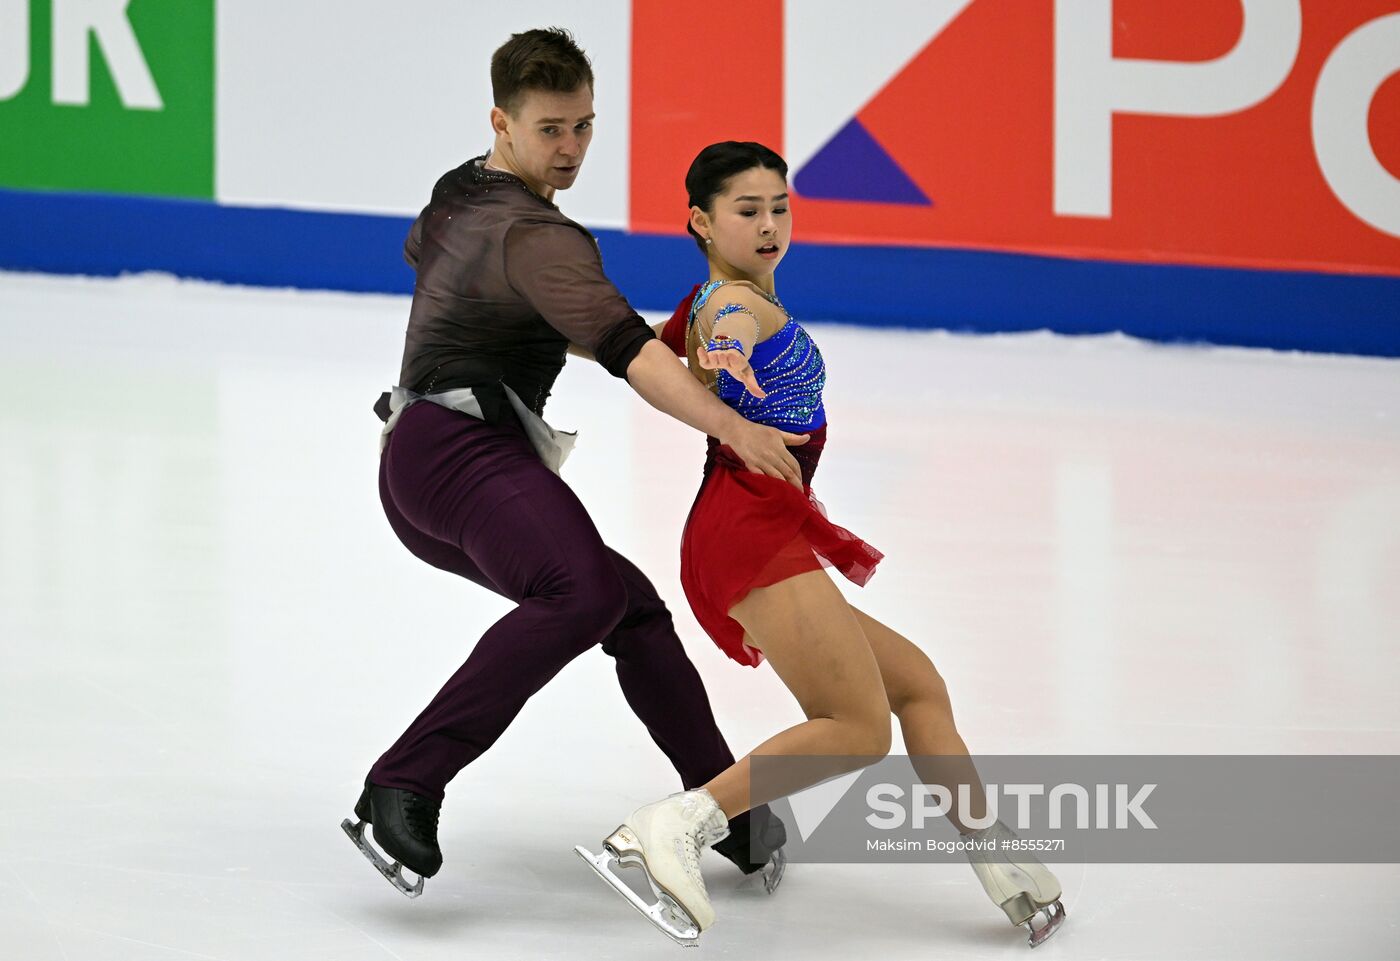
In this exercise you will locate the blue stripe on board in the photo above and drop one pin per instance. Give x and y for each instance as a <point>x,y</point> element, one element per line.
<point>878,286</point>
<point>101,234</point>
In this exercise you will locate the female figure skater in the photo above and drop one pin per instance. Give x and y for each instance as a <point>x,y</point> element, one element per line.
<point>773,598</point>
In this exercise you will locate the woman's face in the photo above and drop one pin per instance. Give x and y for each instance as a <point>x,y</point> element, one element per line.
<point>750,223</point>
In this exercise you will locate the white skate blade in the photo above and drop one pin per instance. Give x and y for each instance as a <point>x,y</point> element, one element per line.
<point>392,873</point>
<point>1054,917</point>
<point>665,914</point>
<point>773,871</point>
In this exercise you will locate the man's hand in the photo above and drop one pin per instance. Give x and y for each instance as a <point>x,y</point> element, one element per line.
<point>663,382</point>
<point>764,450</point>
<point>733,361</point>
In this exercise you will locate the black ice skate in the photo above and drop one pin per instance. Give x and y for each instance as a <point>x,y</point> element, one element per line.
<point>755,843</point>
<point>405,826</point>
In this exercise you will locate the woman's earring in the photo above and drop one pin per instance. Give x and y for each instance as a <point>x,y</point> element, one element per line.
<point>709,241</point>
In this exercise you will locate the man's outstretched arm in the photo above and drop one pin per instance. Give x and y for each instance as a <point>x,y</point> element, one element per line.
<point>557,269</point>
<point>664,383</point>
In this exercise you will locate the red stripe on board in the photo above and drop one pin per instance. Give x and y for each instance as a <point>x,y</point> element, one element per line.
<point>700,73</point>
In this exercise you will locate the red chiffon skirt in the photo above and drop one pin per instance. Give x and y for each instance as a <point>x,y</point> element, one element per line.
<point>749,530</point>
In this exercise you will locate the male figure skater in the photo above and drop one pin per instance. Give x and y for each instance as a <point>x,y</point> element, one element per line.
<point>468,475</point>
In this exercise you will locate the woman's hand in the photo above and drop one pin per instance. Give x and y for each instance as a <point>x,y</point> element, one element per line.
<point>732,360</point>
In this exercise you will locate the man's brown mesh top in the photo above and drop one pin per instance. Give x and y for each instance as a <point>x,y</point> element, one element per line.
<point>505,283</point>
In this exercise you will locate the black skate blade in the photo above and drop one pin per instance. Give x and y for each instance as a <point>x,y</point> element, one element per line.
<point>1054,917</point>
<point>392,873</point>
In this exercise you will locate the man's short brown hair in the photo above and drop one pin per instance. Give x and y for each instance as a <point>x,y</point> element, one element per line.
<point>538,60</point>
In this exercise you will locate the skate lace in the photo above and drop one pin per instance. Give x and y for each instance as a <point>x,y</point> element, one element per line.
<point>690,857</point>
<point>705,833</point>
<point>421,816</point>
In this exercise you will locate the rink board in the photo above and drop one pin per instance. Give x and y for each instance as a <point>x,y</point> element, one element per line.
<point>1218,170</point>
<point>912,287</point>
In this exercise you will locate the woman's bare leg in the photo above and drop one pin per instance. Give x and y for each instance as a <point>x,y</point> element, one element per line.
<point>809,633</point>
<point>919,698</point>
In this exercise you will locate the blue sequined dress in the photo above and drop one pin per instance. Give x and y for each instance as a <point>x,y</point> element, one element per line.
<point>749,530</point>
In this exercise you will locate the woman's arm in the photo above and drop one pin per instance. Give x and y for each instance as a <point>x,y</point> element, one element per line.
<point>740,316</point>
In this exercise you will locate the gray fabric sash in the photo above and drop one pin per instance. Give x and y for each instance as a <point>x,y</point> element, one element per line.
<point>553,446</point>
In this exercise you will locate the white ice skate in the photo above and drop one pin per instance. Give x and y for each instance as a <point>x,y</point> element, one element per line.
<point>665,839</point>
<point>1016,882</point>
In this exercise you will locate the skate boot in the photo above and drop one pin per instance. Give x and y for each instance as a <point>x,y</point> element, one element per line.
<point>405,827</point>
<point>1016,882</point>
<point>665,839</point>
<point>755,843</point>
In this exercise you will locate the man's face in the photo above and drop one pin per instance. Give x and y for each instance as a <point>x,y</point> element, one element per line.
<point>547,136</point>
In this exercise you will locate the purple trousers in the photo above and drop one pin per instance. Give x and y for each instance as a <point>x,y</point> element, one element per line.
<point>474,499</point>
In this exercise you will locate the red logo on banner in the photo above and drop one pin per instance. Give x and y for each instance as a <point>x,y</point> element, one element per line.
<point>1258,133</point>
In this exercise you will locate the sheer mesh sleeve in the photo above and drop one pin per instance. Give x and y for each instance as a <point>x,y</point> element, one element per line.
<point>557,270</point>
<point>413,243</point>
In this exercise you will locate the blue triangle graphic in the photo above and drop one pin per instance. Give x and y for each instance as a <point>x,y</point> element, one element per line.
<point>853,166</point>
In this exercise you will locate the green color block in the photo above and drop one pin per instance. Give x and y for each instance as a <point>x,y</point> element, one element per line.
<point>104,145</point>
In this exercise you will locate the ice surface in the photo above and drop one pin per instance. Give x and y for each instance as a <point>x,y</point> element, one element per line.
<point>208,631</point>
